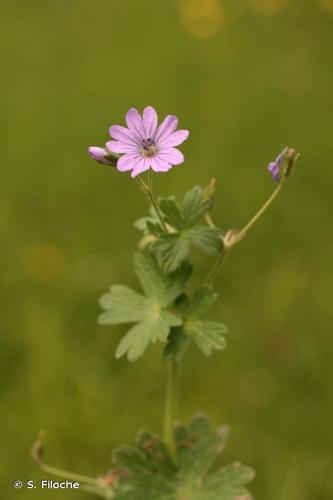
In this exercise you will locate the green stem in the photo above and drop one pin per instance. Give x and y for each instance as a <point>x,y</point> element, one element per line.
<point>240,235</point>
<point>150,180</point>
<point>148,190</point>
<point>69,475</point>
<point>170,406</point>
<point>260,212</point>
<point>216,269</point>
<point>157,209</point>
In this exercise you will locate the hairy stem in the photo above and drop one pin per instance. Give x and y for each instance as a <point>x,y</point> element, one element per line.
<point>260,212</point>
<point>233,240</point>
<point>147,188</point>
<point>150,180</point>
<point>216,269</point>
<point>70,475</point>
<point>170,405</point>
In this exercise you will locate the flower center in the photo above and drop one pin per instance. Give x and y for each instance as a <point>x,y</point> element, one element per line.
<point>148,147</point>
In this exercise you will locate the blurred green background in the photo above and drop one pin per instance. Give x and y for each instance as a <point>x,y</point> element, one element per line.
<point>246,77</point>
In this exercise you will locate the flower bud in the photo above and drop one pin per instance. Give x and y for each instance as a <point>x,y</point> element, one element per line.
<point>291,157</point>
<point>102,156</point>
<point>37,450</point>
<point>283,164</point>
<point>209,190</point>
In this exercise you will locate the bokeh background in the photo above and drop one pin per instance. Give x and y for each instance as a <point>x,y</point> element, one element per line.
<point>247,77</point>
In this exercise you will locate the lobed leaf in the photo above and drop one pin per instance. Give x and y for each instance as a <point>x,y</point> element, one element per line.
<point>207,335</point>
<point>123,305</point>
<point>178,343</point>
<point>194,206</point>
<point>171,212</point>
<point>147,471</point>
<point>173,246</point>
<point>149,311</point>
<point>172,249</point>
<point>207,239</point>
<point>137,339</point>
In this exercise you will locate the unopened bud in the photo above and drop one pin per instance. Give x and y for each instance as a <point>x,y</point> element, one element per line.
<point>291,157</point>
<point>37,451</point>
<point>103,156</point>
<point>209,190</point>
<point>283,164</point>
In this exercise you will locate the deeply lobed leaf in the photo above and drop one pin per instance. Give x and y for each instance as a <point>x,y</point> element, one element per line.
<point>173,246</point>
<point>194,206</point>
<point>148,472</point>
<point>149,311</point>
<point>207,335</point>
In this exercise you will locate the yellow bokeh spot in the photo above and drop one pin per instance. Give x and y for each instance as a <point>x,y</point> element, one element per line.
<point>269,7</point>
<point>327,5</point>
<point>201,18</point>
<point>45,262</point>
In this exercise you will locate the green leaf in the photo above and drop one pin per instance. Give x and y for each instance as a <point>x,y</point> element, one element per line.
<point>198,445</point>
<point>123,305</point>
<point>141,224</point>
<point>137,339</point>
<point>154,228</point>
<point>172,249</point>
<point>203,299</point>
<point>149,311</point>
<point>147,472</point>
<point>171,212</point>
<point>207,335</point>
<point>207,239</point>
<point>194,206</point>
<point>178,343</point>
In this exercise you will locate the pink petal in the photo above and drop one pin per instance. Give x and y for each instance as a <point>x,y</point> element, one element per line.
<point>142,166</point>
<point>171,155</point>
<point>122,134</point>
<point>166,128</point>
<point>98,154</point>
<point>135,124</point>
<point>128,162</point>
<point>149,119</point>
<point>159,165</point>
<point>121,147</point>
<point>174,139</point>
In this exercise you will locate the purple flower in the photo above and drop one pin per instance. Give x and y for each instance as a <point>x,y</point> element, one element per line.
<point>143,145</point>
<point>274,166</point>
<point>99,154</point>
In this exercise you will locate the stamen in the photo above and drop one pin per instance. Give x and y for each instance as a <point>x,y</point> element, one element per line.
<point>148,147</point>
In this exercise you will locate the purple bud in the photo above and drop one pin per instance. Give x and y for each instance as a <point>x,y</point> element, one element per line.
<point>99,154</point>
<point>274,166</point>
<point>273,169</point>
<point>281,167</point>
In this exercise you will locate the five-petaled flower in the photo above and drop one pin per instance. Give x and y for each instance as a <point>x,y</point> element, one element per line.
<point>144,145</point>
